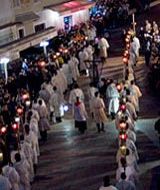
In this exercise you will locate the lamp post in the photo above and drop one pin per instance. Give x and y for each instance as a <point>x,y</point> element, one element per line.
<point>44,44</point>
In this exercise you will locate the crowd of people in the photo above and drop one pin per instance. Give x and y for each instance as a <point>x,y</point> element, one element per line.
<point>33,97</point>
<point>124,107</point>
<point>150,39</point>
<point>110,14</point>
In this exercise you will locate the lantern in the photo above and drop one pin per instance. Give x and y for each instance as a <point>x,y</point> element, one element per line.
<point>123,125</point>
<point>28,103</point>
<point>123,136</point>
<point>65,108</point>
<point>123,149</point>
<point>61,50</point>
<point>127,40</point>
<point>128,46</point>
<point>19,110</point>
<point>17,119</point>
<point>126,53</point>
<point>123,107</point>
<point>125,60</point>
<point>42,63</point>
<point>1,155</point>
<point>15,126</point>
<point>119,88</point>
<point>66,51</point>
<point>3,129</point>
<point>25,96</point>
<point>54,57</point>
<point>57,54</point>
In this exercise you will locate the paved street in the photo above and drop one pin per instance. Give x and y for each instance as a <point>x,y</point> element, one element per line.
<point>76,162</point>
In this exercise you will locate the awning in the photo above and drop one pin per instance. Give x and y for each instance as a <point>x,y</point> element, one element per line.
<point>30,16</point>
<point>28,41</point>
<point>9,25</point>
<point>71,6</point>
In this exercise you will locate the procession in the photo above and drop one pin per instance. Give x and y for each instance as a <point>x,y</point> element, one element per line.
<point>41,94</point>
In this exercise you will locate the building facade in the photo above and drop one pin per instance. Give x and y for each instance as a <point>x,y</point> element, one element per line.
<point>25,23</point>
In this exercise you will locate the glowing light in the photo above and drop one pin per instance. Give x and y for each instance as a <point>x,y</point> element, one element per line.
<point>123,137</point>
<point>44,44</point>
<point>15,126</point>
<point>17,119</point>
<point>123,125</point>
<point>66,51</point>
<point>25,96</point>
<point>123,149</point>
<point>123,107</point>
<point>4,60</point>
<point>20,111</point>
<point>3,130</point>
<point>42,63</point>
<point>57,54</point>
<point>1,156</point>
<point>28,102</point>
<point>65,108</point>
<point>125,60</point>
<point>119,88</point>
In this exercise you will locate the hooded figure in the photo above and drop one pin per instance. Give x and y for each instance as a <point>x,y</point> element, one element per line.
<point>13,177</point>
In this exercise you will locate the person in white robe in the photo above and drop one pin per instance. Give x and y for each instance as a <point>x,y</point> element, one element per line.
<point>76,92</point>
<point>4,182</point>
<point>106,184</point>
<point>44,125</point>
<point>113,97</point>
<point>30,137</point>
<point>80,115</point>
<point>148,26</point>
<point>135,90</point>
<point>83,57</point>
<point>98,109</point>
<point>57,103</point>
<point>21,167</point>
<point>91,95</point>
<point>133,99</point>
<point>66,71</point>
<point>103,46</point>
<point>12,175</point>
<point>131,109</point>
<point>137,45</point>
<point>73,67</point>
<point>131,146</point>
<point>124,184</point>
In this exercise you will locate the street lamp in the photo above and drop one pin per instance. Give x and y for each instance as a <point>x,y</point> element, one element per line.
<point>4,61</point>
<point>44,44</point>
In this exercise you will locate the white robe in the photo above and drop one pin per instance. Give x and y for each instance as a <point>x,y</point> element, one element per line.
<point>23,171</point>
<point>125,185</point>
<point>103,45</point>
<point>76,93</point>
<point>12,176</point>
<point>91,96</point>
<point>113,96</point>
<point>4,183</point>
<point>73,68</point>
<point>129,171</point>
<point>98,107</point>
<point>57,103</point>
<point>83,56</point>
<point>131,109</point>
<point>34,144</point>
<point>66,71</point>
<point>27,149</point>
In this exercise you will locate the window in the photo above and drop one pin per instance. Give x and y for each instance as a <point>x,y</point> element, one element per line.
<point>16,3</point>
<point>21,33</point>
<point>40,27</point>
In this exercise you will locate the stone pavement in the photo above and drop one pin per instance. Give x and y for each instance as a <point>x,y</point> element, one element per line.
<point>72,161</point>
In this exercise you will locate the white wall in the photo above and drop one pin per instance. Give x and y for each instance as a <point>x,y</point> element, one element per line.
<point>52,18</point>
<point>6,12</point>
